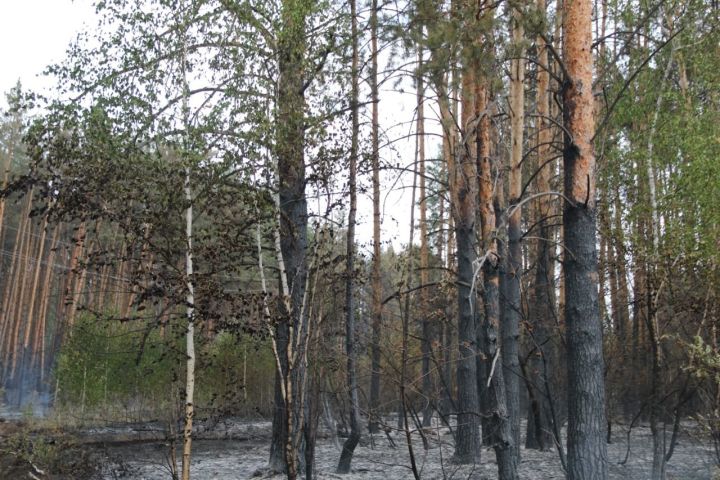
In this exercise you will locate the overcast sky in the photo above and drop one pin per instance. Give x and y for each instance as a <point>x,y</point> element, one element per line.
<point>35,33</point>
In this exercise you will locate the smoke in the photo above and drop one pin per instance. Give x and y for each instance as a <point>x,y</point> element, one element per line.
<point>22,398</point>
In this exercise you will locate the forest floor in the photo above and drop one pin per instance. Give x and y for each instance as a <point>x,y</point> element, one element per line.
<point>239,450</point>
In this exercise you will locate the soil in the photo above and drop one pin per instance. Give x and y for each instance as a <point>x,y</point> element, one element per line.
<point>239,450</point>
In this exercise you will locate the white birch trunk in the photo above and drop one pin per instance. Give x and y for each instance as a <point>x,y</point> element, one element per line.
<point>190,335</point>
<point>190,298</point>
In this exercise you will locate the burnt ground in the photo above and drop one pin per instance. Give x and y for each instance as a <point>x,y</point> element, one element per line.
<point>239,450</point>
<point>28,451</point>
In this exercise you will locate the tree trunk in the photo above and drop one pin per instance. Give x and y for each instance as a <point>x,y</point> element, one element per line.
<point>8,294</point>
<point>428,329</point>
<point>490,199</point>
<point>77,277</point>
<point>292,204</point>
<point>45,301</point>
<point>189,280</point>
<point>350,350</point>
<point>464,190</point>
<point>375,277</point>
<point>542,306</point>
<point>587,451</point>
<point>13,301</point>
<point>512,308</point>
<point>189,334</point>
<point>449,131</point>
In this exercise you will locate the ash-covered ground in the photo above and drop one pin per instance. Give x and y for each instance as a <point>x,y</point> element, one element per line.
<point>239,450</point>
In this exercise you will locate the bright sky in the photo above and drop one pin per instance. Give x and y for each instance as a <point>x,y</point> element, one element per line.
<point>34,34</point>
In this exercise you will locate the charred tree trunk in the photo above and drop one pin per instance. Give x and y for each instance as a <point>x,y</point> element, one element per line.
<point>490,197</point>
<point>449,150</point>
<point>587,451</point>
<point>464,191</point>
<point>542,305</point>
<point>512,308</point>
<point>292,204</point>
<point>350,347</point>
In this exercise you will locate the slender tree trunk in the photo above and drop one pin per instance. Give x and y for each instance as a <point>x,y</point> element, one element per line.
<point>587,451</point>
<point>449,135</point>
<point>490,197</point>
<point>189,334</point>
<point>656,428</point>
<point>510,327</point>
<point>35,283</point>
<point>189,271</point>
<point>13,302</point>
<point>620,309</point>
<point>77,278</point>
<point>405,284</point>
<point>464,191</point>
<point>375,278</point>
<point>602,268</point>
<point>542,306</point>
<point>350,347</point>
<point>8,294</point>
<point>45,300</point>
<point>428,329</point>
<point>34,325</point>
<point>658,433</point>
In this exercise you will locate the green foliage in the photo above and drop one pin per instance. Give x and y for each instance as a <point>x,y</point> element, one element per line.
<point>228,365</point>
<point>704,361</point>
<point>104,360</point>
<point>105,363</point>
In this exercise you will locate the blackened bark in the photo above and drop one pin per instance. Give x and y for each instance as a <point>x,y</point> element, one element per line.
<point>587,450</point>
<point>656,408</point>
<point>510,330</point>
<point>463,183</point>
<point>542,313</point>
<point>289,149</point>
<point>350,350</point>
<point>467,448</point>
<point>279,423</point>
<point>500,433</point>
<point>587,457</point>
<point>511,312</point>
<point>483,370</point>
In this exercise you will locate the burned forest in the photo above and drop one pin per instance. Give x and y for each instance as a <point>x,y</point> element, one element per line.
<point>360,239</point>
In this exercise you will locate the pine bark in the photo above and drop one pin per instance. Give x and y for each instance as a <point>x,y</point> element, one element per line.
<point>587,451</point>
<point>542,305</point>
<point>463,175</point>
<point>495,410</point>
<point>7,304</point>
<point>512,308</point>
